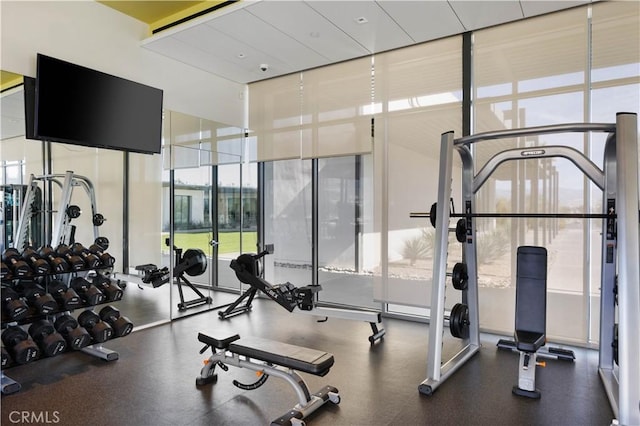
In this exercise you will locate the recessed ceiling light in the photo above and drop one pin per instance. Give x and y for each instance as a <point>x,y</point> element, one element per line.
<point>361,20</point>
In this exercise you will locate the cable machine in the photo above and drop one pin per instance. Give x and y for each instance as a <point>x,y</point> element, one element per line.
<point>620,278</point>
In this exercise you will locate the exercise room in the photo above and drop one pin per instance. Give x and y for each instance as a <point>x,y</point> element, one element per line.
<point>320,212</point>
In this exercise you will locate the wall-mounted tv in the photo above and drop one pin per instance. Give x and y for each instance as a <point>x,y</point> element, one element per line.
<point>82,106</point>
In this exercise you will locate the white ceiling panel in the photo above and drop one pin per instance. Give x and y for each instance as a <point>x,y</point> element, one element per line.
<point>540,7</point>
<point>365,22</point>
<point>298,20</point>
<point>291,36</point>
<point>423,20</point>
<point>481,14</point>
<point>263,37</point>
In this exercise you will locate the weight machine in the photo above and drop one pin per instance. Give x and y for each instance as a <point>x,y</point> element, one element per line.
<point>63,231</point>
<point>249,271</point>
<point>620,251</point>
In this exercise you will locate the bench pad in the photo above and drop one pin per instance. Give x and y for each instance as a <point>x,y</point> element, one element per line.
<point>291,356</point>
<point>528,341</point>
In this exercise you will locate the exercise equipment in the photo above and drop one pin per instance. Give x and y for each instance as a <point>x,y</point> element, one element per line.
<point>62,229</point>
<point>271,358</point>
<point>122,326</point>
<point>13,305</point>
<point>459,276</point>
<point>38,265</point>
<point>38,298</point>
<point>618,180</point>
<point>105,258</point>
<point>112,291</point>
<point>248,270</point>
<point>66,297</point>
<point>89,293</point>
<point>100,331</point>
<point>531,315</point>
<point>19,268</point>
<point>75,262</point>
<point>5,273</point>
<point>77,337</point>
<point>20,346</point>
<point>193,263</point>
<point>48,339</point>
<point>90,260</point>
<point>58,264</point>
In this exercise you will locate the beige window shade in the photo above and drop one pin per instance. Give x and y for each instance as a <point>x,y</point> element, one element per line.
<point>616,42</point>
<point>419,95</point>
<point>274,117</point>
<point>336,110</point>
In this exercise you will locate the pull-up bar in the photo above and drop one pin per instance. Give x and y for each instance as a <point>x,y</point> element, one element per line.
<point>539,130</point>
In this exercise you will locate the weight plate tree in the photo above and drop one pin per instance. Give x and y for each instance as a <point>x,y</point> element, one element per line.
<point>618,179</point>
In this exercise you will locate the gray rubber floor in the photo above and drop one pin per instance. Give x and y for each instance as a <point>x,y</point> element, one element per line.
<point>153,381</point>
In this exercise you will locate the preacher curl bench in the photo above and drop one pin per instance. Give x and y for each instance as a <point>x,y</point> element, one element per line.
<point>271,358</point>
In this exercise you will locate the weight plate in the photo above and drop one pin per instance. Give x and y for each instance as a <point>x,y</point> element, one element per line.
<point>459,276</point>
<point>432,214</point>
<point>459,321</point>
<point>461,231</point>
<point>197,261</point>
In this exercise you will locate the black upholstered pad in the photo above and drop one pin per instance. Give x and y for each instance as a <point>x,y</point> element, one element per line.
<point>531,298</point>
<point>290,356</point>
<point>529,342</point>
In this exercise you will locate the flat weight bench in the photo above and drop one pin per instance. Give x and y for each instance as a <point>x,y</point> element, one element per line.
<point>531,314</point>
<point>271,358</point>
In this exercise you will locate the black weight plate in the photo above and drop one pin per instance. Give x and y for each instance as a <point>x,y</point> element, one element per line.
<point>432,214</point>
<point>461,231</point>
<point>197,261</point>
<point>459,276</point>
<point>459,321</point>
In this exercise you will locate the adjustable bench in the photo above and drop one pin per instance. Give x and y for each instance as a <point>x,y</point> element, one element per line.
<point>531,315</point>
<point>271,358</point>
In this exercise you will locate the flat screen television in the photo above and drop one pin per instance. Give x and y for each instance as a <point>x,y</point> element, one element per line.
<point>81,106</point>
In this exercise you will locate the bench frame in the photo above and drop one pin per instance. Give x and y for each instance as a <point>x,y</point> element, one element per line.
<point>223,355</point>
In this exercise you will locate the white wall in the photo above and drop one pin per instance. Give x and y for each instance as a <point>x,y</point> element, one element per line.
<point>93,35</point>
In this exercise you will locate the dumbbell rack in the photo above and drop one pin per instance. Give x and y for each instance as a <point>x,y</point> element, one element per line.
<point>8,385</point>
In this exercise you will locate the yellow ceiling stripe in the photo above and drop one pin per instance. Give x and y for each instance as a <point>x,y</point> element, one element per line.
<point>9,79</point>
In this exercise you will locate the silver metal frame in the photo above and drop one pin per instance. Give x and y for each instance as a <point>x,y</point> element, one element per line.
<point>60,229</point>
<point>620,251</point>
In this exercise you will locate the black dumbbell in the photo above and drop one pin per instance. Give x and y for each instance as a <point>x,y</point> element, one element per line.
<point>66,297</point>
<point>122,326</point>
<point>109,287</point>
<point>38,298</point>
<point>39,265</point>
<point>48,339</point>
<point>6,358</point>
<point>100,331</point>
<point>77,337</point>
<point>75,262</point>
<point>58,264</point>
<point>13,305</point>
<point>22,349</point>
<point>5,272</point>
<point>90,259</point>
<point>89,293</point>
<point>19,268</point>
<point>105,258</point>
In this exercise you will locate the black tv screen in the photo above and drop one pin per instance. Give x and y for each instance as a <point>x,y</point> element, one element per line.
<point>82,106</point>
